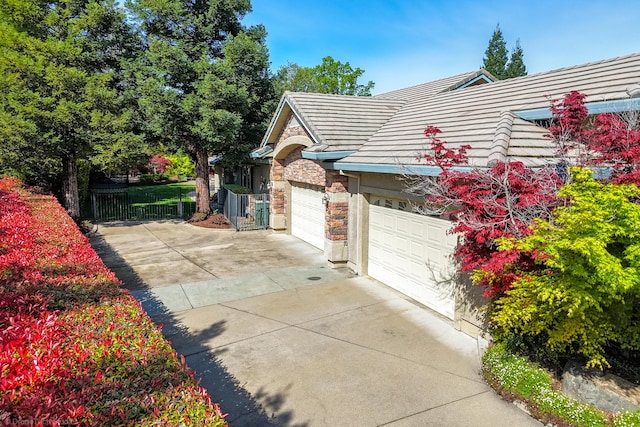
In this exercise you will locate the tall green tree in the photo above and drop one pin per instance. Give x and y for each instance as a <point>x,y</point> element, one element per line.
<point>57,89</point>
<point>330,76</point>
<point>516,67</point>
<point>295,78</point>
<point>496,58</point>
<point>205,80</point>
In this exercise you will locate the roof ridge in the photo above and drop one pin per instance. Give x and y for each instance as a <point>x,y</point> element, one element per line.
<point>501,138</point>
<point>461,77</point>
<point>570,67</point>
<point>328,95</point>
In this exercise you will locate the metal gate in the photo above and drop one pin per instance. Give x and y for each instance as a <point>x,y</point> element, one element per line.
<point>247,211</point>
<point>116,204</point>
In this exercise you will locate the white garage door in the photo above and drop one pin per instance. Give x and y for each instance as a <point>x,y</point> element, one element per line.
<point>307,214</point>
<point>410,253</point>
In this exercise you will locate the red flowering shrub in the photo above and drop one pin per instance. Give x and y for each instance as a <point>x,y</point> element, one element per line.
<point>610,140</point>
<point>486,205</point>
<point>75,348</point>
<point>502,201</point>
<point>160,163</point>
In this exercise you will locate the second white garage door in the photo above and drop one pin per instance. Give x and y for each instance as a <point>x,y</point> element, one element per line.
<point>411,253</point>
<point>307,214</point>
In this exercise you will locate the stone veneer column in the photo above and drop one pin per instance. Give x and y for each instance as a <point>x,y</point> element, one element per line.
<point>336,218</point>
<point>277,212</point>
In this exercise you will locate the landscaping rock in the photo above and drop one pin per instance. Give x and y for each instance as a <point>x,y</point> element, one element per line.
<point>606,391</point>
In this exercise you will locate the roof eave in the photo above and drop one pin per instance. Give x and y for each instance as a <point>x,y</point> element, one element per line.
<point>394,169</point>
<point>482,75</point>
<point>614,106</point>
<point>326,155</point>
<point>284,108</point>
<point>258,154</point>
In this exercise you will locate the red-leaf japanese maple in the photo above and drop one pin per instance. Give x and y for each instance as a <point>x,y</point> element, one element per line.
<point>503,200</point>
<point>486,204</point>
<point>160,163</point>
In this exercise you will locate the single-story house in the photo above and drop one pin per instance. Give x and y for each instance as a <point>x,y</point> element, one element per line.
<point>336,162</point>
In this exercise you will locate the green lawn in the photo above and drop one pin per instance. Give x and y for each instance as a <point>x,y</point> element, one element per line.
<point>146,202</point>
<point>164,194</point>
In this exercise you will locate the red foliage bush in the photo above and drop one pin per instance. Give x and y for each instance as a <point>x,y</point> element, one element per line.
<point>486,205</point>
<point>160,163</point>
<point>75,348</point>
<point>502,201</point>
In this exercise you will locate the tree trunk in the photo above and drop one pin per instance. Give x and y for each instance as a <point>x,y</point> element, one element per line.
<point>202,181</point>
<point>70,186</point>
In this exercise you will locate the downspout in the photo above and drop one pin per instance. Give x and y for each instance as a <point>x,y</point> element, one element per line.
<point>358,233</point>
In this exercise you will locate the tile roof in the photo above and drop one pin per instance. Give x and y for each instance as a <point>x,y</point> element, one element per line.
<point>438,86</point>
<point>344,123</point>
<point>482,116</point>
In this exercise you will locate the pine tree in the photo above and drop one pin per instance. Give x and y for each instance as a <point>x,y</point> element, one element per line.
<point>516,67</point>
<point>495,57</point>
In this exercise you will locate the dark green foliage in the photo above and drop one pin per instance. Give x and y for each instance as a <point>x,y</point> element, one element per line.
<point>516,67</point>
<point>238,189</point>
<point>496,59</point>
<point>153,178</point>
<point>205,84</point>
<point>59,96</point>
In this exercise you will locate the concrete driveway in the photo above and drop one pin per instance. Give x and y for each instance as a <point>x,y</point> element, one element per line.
<point>280,339</point>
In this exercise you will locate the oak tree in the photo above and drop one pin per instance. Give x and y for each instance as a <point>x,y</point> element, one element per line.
<point>330,76</point>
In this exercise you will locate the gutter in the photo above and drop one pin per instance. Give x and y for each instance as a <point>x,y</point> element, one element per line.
<point>616,106</point>
<point>326,155</point>
<point>395,169</point>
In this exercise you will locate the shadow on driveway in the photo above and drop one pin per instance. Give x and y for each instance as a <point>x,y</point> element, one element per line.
<point>242,408</point>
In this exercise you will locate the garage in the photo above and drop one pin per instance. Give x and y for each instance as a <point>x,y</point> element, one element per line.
<point>307,214</point>
<point>411,253</point>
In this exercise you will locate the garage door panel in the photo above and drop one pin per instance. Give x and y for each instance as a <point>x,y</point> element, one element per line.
<point>307,215</point>
<point>406,250</point>
<point>417,229</point>
<point>436,256</point>
<point>436,235</point>
<point>389,222</point>
<point>417,249</point>
<point>403,226</point>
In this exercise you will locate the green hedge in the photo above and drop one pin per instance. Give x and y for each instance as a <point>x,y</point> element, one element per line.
<point>238,189</point>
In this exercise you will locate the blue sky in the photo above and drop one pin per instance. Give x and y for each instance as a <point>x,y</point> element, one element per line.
<point>402,43</point>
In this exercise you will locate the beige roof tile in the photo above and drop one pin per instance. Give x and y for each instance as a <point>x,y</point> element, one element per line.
<point>475,115</point>
<point>438,86</point>
<point>344,123</point>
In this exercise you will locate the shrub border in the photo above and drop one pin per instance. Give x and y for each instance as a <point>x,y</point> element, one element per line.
<point>75,347</point>
<point>532,388</point>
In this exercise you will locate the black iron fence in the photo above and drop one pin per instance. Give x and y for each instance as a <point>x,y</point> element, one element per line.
<point>247,211</point>
<point>117,204</point>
